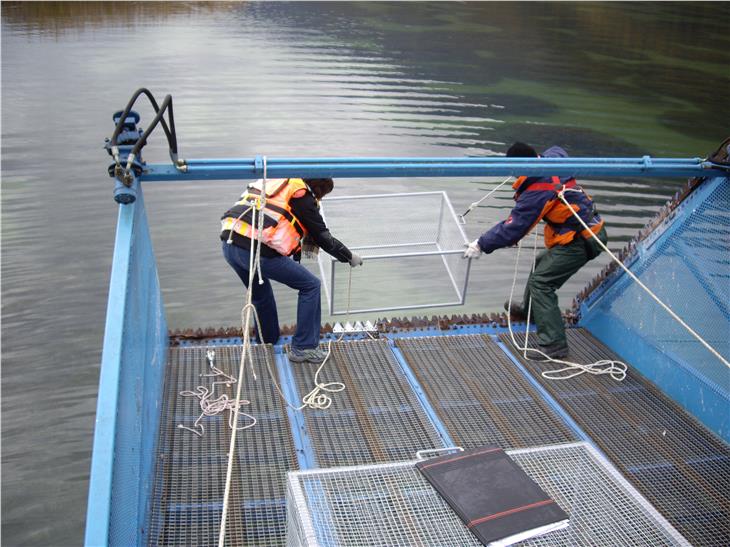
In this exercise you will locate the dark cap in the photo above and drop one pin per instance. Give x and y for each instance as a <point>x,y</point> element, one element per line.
<point>521,150</point>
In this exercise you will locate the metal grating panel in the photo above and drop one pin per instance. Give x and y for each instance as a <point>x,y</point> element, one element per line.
<point>191,470</point>
<point>673,460</point>
<point>377,418</point>
<point>394,505</point>
<point>480,395</point>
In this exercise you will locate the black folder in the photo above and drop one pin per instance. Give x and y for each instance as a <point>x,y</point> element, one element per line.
<point>494,497</point>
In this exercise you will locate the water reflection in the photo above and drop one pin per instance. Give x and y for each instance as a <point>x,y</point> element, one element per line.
<point>297,79</point>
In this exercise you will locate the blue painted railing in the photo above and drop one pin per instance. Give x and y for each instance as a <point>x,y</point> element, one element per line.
<point>253,168</point>
<point>130,388</point>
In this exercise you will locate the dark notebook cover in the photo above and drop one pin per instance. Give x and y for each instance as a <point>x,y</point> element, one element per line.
<point>493,495</point>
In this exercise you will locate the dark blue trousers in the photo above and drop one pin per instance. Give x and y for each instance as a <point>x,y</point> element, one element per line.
<point>292,274</point>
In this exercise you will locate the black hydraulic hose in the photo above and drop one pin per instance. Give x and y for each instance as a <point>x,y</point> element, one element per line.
<point>169,131</point>
<point>171,140</point>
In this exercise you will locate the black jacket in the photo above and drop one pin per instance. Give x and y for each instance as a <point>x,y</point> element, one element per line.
<point>306,210</point>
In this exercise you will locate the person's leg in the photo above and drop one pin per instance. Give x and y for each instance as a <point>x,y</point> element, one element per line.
<point>557,265</point>
<point>309,307</point>
<point>526,296</point>
<point>262,295</point>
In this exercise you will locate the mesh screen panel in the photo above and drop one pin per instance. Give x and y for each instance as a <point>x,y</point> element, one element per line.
<point>431,227</point>
<point>690,272</point>
<point>394,505</point>
<point>191,471</point>
<point>377,418</point>
<point>673,460</point>
<point>480,395</point>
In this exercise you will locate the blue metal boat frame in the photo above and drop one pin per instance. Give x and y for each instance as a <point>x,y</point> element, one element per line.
<point>136,338</point>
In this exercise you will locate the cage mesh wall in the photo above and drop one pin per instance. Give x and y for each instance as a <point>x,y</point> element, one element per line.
<point>686,262</point>
<point>191,471</point>
<point>391,225</point>
<point>394,505</point>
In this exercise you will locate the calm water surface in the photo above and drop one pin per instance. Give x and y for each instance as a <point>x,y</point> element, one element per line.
<point>299,80</point>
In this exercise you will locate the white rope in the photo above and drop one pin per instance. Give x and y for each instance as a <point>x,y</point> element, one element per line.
<point>674,316</point>
<point>213,407</point>
<point>317,398</point>
<point>476,203</point>
<point>246,350</point>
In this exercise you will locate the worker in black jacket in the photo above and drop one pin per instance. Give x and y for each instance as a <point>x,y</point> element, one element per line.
<point>291,215</point>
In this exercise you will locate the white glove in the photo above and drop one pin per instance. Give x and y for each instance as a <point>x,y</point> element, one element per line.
<point>356,260</point>
<point>473,250</point>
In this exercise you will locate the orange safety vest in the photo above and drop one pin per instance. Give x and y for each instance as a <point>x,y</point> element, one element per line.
<point>282,230</point>
<point>561,226</point>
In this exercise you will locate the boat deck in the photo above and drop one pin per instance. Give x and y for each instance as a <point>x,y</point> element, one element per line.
<point>410,393</point>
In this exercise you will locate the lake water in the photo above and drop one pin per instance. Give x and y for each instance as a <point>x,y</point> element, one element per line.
<point>303,79</point>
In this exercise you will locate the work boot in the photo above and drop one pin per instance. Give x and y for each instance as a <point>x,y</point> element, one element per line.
<point>558,350</point>
<point>516,311</point>
<point>312,355</point>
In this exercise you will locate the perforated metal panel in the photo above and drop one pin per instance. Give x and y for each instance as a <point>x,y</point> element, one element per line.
<point>394,505</point>
<point>674,461</point>
<point>376,419</point>
<point>191,471</point>
<point>480,395</point>
<point>687,265</point>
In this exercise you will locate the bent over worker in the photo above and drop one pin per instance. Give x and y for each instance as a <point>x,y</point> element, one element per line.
<point>568,245</point>
<point>290,215</point>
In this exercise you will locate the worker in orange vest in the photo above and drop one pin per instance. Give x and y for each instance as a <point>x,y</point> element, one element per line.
<point>290,216</point>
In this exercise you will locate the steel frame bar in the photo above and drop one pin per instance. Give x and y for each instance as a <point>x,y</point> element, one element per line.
<point>253,168</point>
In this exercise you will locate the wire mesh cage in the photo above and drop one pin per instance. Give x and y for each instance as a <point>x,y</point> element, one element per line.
<point>402,238</point>
<point>393,504</point>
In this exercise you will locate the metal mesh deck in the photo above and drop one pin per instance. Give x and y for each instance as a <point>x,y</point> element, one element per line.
<point>394,505</point>
<point>191,471</point>
<point>674,461</point>
<point>480,395</point>
<point>377,418</point>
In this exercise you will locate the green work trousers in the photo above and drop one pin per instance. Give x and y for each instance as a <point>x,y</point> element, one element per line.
<point>553,267</point>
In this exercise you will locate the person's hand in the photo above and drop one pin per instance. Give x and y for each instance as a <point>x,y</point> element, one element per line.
<point>355,260</point>
<point>473,250</point>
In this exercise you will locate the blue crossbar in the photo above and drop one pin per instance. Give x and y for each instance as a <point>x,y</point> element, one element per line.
<point>253,168</point>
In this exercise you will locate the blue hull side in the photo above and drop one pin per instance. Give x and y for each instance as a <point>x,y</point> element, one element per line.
<point>686,262</point>
<point>130,388</point>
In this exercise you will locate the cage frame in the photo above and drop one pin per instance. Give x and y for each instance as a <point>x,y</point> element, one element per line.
<point>444,204</point>
<point>304,522</point>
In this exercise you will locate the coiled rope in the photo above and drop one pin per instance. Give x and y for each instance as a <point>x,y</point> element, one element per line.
<point>213,407</point>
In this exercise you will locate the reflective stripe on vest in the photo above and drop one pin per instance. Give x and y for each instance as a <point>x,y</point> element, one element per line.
<point>282,230</point>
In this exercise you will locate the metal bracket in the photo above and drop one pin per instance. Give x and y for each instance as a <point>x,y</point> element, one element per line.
<point>421,454</point>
